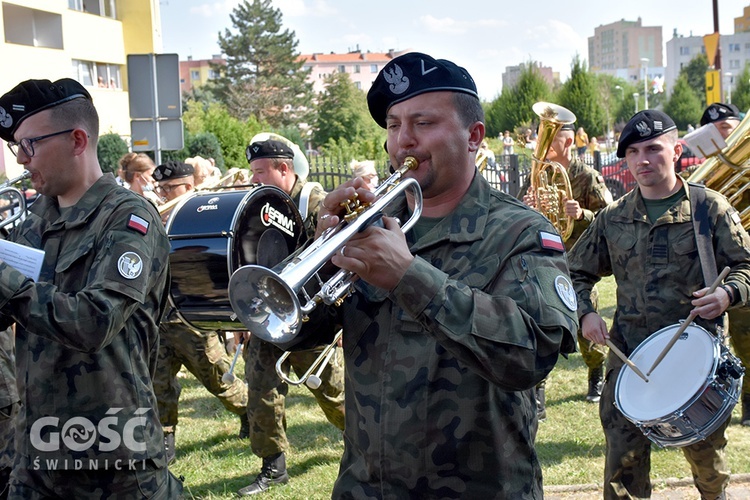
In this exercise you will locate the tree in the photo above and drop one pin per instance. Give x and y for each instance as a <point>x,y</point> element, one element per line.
<point>741,92</point>
<point>110,148</point>
<point>512,109</point>
<point>683,105</point>
<point>695,75</point>
<point>582,95</point>
<point>264,76</point>
<point>342,112</point>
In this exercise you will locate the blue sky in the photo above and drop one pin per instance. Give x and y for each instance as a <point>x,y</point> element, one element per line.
<point>484,36</point>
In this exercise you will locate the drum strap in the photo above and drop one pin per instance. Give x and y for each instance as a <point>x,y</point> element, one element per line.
<point>703,232</point>
<point>304,197</point>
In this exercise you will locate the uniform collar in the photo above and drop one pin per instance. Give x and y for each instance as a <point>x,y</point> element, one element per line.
<point>79,213</point>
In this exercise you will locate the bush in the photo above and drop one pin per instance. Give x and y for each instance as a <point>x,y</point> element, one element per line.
<point>109,150</point>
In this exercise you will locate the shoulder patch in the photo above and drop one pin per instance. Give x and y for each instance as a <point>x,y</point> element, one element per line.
<point>551,241</point>
<point>565,291</point>
<point>130,265</point>
<point>138,224</point>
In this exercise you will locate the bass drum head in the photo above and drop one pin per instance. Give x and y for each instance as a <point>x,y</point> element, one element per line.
<point>212,235</point>
<point>681,375</point>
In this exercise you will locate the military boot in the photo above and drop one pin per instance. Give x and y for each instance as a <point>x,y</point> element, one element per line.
<point>244,427</point>
<point>541,411</point>
<point>596,378</point>
<point>745,420</point>
<point>272,472</point>
<point>169,446</point>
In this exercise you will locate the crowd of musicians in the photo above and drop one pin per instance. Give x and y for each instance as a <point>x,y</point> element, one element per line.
<point>449,329</point>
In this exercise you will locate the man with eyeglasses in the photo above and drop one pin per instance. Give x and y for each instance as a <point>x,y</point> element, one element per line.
<point>86,329</point>
<point>202,353</point>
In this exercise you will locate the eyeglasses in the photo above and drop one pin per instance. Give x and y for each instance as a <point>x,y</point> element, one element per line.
<point>168,188</point>
<point>28,144</point>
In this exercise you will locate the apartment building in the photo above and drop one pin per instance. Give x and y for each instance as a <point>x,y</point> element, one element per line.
<point>362,67</point>
<point>87,40</point>
<point>512,74</point>
<point>196,73</point>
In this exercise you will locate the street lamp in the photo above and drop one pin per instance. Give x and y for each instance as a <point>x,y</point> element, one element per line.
<point>635,98</point>
<point>644,62</point>
<point>729,87</point>
<point>622,92</point>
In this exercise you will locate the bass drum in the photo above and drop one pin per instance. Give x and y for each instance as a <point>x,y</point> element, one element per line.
<point>212,235</point>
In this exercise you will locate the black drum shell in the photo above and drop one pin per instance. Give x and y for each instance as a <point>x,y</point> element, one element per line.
<point>212,234</point>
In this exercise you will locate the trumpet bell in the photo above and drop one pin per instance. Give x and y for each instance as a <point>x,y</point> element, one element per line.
<point>266,304</point>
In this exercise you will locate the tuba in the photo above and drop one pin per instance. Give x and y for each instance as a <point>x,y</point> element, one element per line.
<point>549,179</point>
<point>728,171</point>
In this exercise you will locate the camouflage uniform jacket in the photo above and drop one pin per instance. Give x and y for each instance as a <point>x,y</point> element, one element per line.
<point>588,189</point>
<point>656,266</point>
<point>313,204</point>
<point>440,370</point>
<point>87,334</point>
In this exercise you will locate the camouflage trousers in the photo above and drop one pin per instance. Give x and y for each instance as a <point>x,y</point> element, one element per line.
<point>739,336</point>
<point>204,355</point>
<point>156,483</point>
<point>592,354</point>
<point>628,452</point>
<point>7,445</point>
<point>267,393</point>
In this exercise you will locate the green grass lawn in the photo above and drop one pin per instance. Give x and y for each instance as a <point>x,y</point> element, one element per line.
<point>570,443</point>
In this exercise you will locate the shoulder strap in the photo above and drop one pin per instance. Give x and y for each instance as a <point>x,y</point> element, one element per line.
<point>304,197</point>
<point>703,230</point>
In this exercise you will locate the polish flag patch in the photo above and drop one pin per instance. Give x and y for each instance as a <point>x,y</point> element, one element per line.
<point>138,223</point>
<point>551,241</point>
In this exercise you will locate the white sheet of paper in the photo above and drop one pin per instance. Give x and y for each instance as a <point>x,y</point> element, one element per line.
<point>705,141</point>
<point>25,259</point>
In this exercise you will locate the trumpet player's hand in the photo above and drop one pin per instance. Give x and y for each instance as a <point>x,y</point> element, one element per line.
<point>710,306</point>
<point>594,328</point>
<point>331,211</point>
<point>378,255</point>
<point>573,209</point>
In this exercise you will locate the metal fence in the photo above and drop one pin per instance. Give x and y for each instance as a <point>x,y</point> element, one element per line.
<point>508,172</point>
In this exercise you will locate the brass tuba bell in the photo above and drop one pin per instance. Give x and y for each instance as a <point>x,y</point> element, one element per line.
<point>728,171</point>
<point>549,179</point>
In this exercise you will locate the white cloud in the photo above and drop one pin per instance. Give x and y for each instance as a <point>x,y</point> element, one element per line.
<point>305,8</point>
<point>214,8</point>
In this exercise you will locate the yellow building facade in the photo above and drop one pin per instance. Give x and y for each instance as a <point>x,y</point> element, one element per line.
<point>87,40</point>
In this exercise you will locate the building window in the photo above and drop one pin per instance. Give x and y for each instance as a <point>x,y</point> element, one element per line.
<point>373,68</point>
<point>684,51</point>
<point>213,74</point>
<point>95,74</point>
<point>342,68</point>
<point>195,74</point>
<point>32,27</point>
<point>358,85</point>
<point>734,47</point>
<point>104,8</point>
<point>356,68</point>
<point>734,63</point>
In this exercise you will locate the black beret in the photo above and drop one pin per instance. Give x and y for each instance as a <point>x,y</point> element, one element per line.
<point>719,111</point>
<point>172,170</point>
<point>268,149</point>
<point>643,126</point>
<point>569,126</point>
<point>412,74</point>
<point>33,96</point>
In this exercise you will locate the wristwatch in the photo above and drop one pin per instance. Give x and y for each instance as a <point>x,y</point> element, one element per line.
<point>733,292</point>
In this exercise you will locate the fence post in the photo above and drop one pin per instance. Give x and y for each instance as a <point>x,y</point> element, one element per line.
<point>514,177</point>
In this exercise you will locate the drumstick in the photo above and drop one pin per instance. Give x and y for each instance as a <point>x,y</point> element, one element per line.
<point>228,377</point>
<point>625,360</point>
<point>687,322</point>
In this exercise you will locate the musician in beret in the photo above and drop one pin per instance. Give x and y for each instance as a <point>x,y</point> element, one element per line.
<point>647,241</point>
<point>201,352</point>
<point>590,194</point>
<point>86,327</point>
<point>452,324</point>
<point>726,118</point>
<point>272,163</point>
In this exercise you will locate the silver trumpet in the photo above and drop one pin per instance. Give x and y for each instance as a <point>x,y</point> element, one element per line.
<point>267,301</point>
<point>6,188</point>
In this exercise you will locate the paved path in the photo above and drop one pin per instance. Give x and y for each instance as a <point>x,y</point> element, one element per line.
<point>671,489</point>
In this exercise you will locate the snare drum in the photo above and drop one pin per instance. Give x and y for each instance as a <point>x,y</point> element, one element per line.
<point>212,234</point>
<point>689,395</point>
